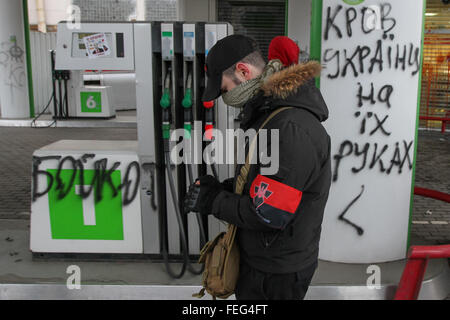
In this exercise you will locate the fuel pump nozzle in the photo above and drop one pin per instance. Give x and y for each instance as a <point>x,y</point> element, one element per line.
<point>187,105</point>
<point>165,104</point>
<point>187,101</point>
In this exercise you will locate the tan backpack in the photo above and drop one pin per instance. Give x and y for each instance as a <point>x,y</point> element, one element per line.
<point>221,255</point>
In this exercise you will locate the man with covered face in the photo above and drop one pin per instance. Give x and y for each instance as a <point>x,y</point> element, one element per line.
<point>279,216</point>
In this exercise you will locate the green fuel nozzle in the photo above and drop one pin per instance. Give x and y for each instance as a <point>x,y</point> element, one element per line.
<point>187,101</point>
<point>165,100</point>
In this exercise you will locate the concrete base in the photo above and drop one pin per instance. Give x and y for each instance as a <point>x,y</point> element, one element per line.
<point>21,277</point>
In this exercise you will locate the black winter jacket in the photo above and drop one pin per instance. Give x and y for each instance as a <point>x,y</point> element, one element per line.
<point>279,217</point>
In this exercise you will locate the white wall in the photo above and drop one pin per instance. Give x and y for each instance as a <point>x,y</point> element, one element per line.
<point>299,22</point>
<point>197,10</point>
<point>187,10</point>
<point>14,102</point>
<point>41,44</point>
<point>368,211</point>
<point>55,11</point>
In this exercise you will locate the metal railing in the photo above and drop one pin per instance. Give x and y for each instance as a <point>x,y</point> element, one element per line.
<point>413,274</point>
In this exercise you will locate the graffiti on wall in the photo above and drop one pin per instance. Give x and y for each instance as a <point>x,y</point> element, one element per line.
<point>368,148</point>
<point>12,64</point>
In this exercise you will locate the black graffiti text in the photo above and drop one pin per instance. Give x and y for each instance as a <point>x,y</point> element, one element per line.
<point>383,95</point>
<point>379,123</point>
<point>102,177</point>
<point>366,60</point>
<point>342,217</point>
<point>372,156</point>
<point>370,19</point>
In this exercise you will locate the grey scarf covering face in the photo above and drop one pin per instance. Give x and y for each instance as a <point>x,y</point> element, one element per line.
<point>238,96</point>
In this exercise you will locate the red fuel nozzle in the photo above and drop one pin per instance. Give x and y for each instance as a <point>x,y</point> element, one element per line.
<point>209,132</point>
<point>209,119</point>
<point>208,104</point>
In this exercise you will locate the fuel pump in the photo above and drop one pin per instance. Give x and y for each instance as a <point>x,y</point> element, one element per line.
<point>169,85</point>
<point>60,96</point>
<point>216,115</point>
<point>176,113</point>
<point>211,37</point>
<point>193,61</point>
<point>169,97</point>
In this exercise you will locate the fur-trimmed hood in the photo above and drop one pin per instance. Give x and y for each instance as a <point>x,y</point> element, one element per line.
<point>289,80</point>
<point>293,86</point>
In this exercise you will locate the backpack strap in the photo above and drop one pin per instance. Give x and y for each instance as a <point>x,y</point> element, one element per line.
<point>242,178</point>
<point>245,170</point>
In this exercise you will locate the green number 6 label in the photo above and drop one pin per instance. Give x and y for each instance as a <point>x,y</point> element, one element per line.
<point>91,102</point>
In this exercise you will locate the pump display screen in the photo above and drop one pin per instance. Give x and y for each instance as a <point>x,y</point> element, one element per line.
<point>92,45</point>
<point>81,44</point>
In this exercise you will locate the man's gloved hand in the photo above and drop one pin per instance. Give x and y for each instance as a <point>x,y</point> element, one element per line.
<point>201,195</point>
